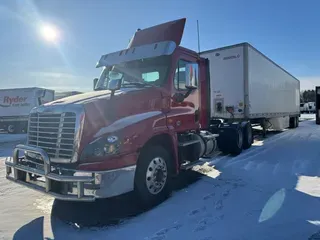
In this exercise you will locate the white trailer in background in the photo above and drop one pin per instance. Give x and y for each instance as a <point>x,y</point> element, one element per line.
<point>16,104</point>
<point>311,108</point>
<point>245,84</point>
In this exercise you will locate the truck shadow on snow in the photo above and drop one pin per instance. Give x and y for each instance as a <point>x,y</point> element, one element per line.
<point>222,207</point>
<point>226,202</point>
<point>102,213</point>
<point>113,211</point>
<point>116,210</point>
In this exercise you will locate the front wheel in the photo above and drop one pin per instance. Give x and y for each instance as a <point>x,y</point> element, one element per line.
<point>153,175</point>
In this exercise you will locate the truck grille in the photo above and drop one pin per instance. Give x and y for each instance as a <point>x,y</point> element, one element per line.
<point>53,132</point>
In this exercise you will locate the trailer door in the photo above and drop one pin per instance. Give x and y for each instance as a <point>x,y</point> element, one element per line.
<point>226,81</point>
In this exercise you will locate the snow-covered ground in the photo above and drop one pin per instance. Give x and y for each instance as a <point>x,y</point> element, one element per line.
<point>271,191</point>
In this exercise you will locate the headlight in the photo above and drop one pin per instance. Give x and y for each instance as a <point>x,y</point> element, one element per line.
<point>101,147</point>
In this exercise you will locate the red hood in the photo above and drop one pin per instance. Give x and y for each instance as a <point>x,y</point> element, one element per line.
<point>81,98</point>
<point>101,110</point>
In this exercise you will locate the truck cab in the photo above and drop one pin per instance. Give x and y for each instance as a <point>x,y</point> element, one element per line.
<point>148,118</point>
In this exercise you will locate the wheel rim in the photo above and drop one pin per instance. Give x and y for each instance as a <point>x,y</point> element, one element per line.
<point>240,139</point>
<point>249,129</point>
<point>10,128</point>
<point>156,176</point>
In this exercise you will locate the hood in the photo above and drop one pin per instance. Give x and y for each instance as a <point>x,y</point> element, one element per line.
<point>101,109</point>
<point>169,31</point>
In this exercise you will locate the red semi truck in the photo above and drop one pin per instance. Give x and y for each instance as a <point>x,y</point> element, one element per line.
<point>148,118</point>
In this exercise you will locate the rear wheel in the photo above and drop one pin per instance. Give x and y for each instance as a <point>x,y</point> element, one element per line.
<point>292,122</point>
<point>230,140</point>
<point>153,175</point>
<point>297,122</point>
<point>247,135</point>
<point>237,143</point>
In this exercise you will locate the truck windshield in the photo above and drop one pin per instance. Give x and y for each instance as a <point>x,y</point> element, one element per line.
<point>142,72</point>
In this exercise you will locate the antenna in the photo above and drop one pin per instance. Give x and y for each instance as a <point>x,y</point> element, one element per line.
<point>198,36</point>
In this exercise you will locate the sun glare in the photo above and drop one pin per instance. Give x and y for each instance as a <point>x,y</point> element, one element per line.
<point>49,33</point>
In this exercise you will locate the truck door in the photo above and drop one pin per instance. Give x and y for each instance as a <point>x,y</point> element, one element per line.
<point>184,115</point>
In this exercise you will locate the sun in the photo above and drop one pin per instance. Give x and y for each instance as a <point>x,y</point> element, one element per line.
<point>49,32</point>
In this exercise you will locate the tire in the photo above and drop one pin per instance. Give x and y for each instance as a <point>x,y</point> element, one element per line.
<point>292,122</point>
<point>11,129</point>
<point>247,135</point>
<point>230,140</point>
<point>155,166</point>
<point>297,123</point>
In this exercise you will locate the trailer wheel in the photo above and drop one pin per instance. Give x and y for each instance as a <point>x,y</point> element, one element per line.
<point>11,129</point>
<point>293,122</point>
<point>247,135</point>
<point>153,176</point>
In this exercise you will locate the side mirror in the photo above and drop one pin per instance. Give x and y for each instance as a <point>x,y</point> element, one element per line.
<point>95,83</point>
<point>114,85</point>
<point>192,71</point>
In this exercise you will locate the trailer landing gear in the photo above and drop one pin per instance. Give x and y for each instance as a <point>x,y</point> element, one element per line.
<point>264,127</point>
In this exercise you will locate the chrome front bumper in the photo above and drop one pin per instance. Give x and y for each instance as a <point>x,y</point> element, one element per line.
<point>77,186</point>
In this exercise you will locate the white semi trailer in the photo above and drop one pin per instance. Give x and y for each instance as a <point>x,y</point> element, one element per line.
<point>245,84</point>
<point>16,104</point>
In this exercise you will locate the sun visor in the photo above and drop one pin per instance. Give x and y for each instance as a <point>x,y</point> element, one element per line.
<point>135,53</point>
<point>170,31</point>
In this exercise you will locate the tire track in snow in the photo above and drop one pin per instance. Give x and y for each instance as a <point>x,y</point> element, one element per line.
<point>276,169</point>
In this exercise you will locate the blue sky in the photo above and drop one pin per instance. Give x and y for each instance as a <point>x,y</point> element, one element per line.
<point>286,31</point>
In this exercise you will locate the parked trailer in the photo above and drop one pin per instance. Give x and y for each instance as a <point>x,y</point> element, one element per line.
<point>16,104</point>
<point>245,84</point>
<point>155,111</point>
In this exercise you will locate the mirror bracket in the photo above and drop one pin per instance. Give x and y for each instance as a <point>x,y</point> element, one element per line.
<point>95,83</point>
<point>189,90</point>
